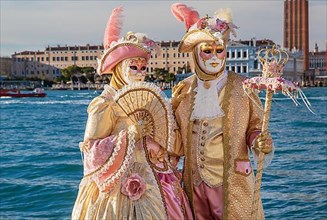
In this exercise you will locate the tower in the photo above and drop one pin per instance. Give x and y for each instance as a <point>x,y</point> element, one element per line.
<point>296,27</point>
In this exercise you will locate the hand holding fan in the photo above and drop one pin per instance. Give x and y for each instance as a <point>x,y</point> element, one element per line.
<point>147,106</point>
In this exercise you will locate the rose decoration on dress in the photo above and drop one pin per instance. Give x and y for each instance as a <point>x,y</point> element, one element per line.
<point>134,186</point>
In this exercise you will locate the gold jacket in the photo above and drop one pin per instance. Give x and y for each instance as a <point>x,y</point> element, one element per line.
<point>242,118</point>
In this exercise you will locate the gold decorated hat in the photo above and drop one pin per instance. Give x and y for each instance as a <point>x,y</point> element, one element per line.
<point>216,28</point>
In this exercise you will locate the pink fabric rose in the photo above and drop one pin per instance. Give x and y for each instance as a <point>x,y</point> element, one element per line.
<point>221,26</point>
<point>134,186</point>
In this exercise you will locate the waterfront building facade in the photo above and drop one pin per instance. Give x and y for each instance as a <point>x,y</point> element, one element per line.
<point>47,64</point>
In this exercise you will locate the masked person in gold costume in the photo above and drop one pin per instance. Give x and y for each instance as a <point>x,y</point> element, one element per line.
<point>218,124</point>
<point>123,177</point>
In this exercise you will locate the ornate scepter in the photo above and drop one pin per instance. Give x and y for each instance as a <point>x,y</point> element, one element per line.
<point>273,61</point>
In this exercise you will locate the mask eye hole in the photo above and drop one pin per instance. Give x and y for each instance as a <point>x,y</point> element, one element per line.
<point>133,67</point>
<point>207,51</point>
<point>143,68</point>
<point>220,50</point>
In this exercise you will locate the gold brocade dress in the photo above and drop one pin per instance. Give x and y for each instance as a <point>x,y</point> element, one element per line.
<point>119,180</point>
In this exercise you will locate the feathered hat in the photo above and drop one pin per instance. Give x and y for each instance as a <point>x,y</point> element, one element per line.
<point>216,28</point>
<point>117,49</point>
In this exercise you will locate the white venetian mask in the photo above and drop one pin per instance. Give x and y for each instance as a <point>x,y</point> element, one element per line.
<point>134,69</point>
<point>211,57</point>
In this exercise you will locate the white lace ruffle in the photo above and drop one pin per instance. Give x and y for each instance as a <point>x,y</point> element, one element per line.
<point>267,160</point>
<point>206,104</point>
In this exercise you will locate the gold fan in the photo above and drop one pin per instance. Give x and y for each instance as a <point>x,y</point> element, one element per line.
<point>145,104</point>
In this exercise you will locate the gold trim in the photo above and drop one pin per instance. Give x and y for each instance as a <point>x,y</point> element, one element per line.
<point>155,175</point>
<point>226,142</point>
<point>187,174</point>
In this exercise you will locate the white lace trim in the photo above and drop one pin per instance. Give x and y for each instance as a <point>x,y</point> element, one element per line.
<point>127,159</point>
<point>206,104</point>
<point>268,157</point>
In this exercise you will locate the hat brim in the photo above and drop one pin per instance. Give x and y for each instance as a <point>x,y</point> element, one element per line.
<point>194,37</point>
<point>119,53</point>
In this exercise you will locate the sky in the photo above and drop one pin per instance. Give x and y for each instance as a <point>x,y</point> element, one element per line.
<point>33,25</point>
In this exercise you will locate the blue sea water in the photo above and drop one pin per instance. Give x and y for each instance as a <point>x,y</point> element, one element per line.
<point>41,166</point>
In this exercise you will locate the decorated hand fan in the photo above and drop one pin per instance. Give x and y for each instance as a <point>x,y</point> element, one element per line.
<point>145,104</point>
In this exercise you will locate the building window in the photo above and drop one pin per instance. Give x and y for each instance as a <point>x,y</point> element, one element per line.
<point>53,59</point>
<point>66,58</point>
<point>238,69</point>
<point>58,58</point>
<point>245,54</point>
<point>95,57</point>
<point>47,59</point>
<point>233,55</point>
<point>83,58</point>
<point>61,58</point>
<point>87,57</point>
<point>238,54</point>
<point>227,54</point>
<point>244,69</point>
<point>91,57</point>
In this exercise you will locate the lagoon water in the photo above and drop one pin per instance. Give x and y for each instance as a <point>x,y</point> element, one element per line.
<point>41,166</point>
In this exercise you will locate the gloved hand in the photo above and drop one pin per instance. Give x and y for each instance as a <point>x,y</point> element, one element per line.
<point>141,131</point>
<point>263,143</point>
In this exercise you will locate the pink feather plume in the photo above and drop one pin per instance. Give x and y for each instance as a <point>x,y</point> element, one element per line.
<point>185,14</point>
<point>113,28</point>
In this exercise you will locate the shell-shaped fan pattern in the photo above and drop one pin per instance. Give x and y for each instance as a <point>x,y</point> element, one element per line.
<point>145,104</point>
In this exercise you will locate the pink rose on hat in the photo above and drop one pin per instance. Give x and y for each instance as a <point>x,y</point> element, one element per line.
<point>221,26</point>
<point>133,186</point>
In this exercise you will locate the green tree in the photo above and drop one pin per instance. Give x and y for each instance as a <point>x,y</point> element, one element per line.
<point>169,77</point>
<point>88,72</point>
<point>69,71</point>
<point>160,74</point>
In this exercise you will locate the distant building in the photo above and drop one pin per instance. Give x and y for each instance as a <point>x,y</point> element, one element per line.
<point>317,75</point>
<point>296,28</point>
<point>47,64</point>
<point>317,61</point>
<point>169,58</point>
<point>5,67</point>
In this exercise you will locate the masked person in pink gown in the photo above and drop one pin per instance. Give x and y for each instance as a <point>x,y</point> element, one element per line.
<point>123,177</point>
<point>218,124</point>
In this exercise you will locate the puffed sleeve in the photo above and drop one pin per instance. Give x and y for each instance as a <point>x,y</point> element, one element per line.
<point>101,119</point>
